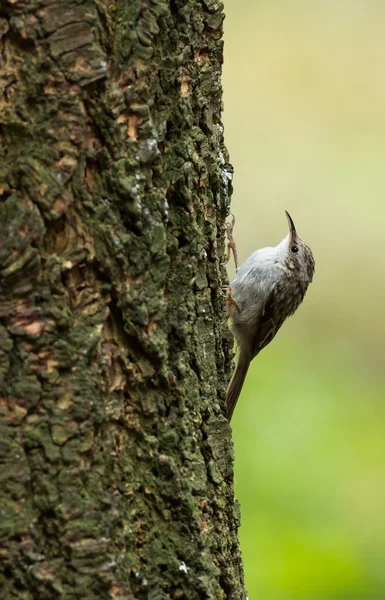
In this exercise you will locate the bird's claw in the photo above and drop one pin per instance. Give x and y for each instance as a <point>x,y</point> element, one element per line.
<point>230,301</point>
<point>231,243</point>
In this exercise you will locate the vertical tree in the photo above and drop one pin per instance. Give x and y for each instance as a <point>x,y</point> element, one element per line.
<point>116,459</point>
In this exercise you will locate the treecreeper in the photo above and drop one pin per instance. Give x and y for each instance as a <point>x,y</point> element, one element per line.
<point>268,287</point>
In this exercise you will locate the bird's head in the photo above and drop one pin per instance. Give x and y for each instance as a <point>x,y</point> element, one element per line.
<point>298,257</point>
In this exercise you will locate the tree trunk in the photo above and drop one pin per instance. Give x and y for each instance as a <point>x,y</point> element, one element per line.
<point>116,459</point>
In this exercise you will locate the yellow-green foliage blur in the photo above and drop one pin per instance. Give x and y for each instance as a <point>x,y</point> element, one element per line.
<point>304,96</point>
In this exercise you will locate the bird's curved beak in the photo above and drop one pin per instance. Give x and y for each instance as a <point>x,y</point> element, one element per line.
<point>293,232</point>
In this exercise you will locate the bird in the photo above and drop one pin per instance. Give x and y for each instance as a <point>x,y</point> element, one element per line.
<point>267,289</point>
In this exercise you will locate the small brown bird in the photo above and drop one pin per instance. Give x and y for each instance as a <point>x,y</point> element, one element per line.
<point>268,287</point>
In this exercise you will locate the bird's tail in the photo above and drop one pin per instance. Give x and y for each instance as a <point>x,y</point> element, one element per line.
<point>236,384</point>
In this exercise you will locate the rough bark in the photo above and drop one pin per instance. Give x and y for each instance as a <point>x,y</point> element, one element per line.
<point>116,459</point>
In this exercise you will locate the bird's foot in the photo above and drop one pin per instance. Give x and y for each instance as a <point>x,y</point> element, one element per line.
<point>230,301</point>
<point>231,243</point>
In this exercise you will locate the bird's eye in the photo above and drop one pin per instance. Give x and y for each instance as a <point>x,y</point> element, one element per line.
<point>294,249</point>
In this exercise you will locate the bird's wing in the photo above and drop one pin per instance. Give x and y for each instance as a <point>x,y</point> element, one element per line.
<point>268,324</point>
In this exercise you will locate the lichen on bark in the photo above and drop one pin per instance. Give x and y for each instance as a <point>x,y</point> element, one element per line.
<point>116,459</point>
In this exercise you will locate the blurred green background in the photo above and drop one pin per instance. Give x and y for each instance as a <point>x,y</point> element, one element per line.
<point>304,96</point>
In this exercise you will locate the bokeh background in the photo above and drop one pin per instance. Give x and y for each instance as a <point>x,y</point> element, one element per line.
<point>304,97</point>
